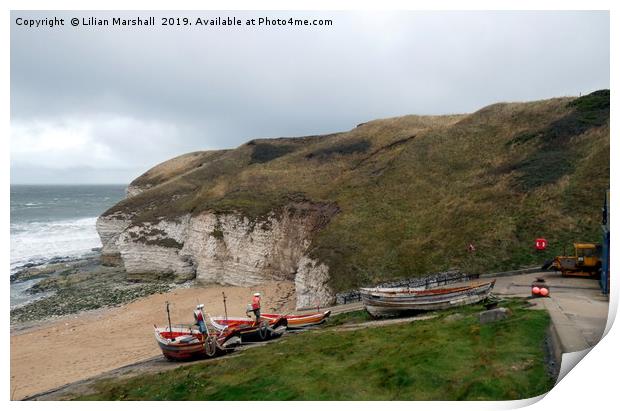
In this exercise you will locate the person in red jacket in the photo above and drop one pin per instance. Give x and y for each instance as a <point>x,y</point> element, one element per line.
<point>256,306</point>
<point>200,318</point>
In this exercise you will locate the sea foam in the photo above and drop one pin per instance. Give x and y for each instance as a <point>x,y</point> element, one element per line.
<point>37,242</point>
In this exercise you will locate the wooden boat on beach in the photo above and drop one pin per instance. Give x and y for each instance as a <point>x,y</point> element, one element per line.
<point>181,342</point>
<point>249,330</point>
<point>393,301</point>
<point>303,320</point>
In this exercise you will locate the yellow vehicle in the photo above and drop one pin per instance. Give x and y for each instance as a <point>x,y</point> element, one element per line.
<point>585,263</point>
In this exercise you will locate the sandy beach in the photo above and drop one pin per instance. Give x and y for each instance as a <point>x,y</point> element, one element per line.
<point>71,348</point>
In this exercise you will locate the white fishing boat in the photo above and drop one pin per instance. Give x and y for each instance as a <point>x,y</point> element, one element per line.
<point>393,301</point>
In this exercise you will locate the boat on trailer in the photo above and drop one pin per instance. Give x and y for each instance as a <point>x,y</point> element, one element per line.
<point>183,342</point>
<point>393,301</point>
<point>302,320</point>
<point>248,329</point>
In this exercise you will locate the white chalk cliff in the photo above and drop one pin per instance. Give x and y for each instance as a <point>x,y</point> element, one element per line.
<point>224,248</point>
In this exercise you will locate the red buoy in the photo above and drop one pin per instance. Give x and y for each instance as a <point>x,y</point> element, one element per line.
<point>541,243</point>
<point>535,290</point>
<point>544,292</point>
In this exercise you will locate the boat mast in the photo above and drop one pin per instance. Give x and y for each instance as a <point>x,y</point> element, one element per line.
<point>225,311</point>
<point>168,311</point>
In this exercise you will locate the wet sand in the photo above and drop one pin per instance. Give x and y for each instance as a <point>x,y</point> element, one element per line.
<point>72,348</point>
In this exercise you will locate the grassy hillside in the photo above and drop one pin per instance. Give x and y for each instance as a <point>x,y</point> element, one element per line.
<point>414,191</point>
<point>451,359</point>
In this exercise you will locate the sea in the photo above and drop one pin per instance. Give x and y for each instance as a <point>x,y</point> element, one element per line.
<point>51,221</point>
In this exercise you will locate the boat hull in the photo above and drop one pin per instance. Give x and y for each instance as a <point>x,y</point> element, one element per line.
<point>183,343</point>
<point>301,321</point>
<point>390,302</point>
<point>180,344</point>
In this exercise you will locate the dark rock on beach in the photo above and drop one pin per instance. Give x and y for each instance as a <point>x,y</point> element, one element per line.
<point>76,285</point>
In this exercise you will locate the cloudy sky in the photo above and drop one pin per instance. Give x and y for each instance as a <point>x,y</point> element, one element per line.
<point>103,104</point>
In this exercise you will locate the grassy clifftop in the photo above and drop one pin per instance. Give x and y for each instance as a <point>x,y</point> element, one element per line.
<point>414,191</point>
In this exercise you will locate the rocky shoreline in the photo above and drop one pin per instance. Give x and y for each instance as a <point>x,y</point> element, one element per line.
<point>66,286</point>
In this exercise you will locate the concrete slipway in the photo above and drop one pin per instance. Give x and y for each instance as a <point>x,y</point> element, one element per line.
<point>577,308</point>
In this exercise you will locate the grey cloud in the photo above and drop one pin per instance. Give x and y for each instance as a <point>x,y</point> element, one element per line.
<point>218,87</point>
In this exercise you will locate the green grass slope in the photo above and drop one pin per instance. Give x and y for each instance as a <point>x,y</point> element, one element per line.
<point>438,359</point>
<point>414,191</point>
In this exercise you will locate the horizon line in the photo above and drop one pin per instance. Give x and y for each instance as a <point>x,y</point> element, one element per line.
<point>69,184</point>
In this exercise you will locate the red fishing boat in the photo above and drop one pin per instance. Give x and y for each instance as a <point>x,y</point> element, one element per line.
<point>182,342</point>
<point>301,321</point>
<point>185,342</point>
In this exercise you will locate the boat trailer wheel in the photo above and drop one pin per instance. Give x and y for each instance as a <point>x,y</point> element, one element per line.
<point>211,346</point>
<point>263,331</point>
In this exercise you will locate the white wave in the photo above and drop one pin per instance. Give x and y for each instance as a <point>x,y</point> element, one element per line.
<point>40,241</point>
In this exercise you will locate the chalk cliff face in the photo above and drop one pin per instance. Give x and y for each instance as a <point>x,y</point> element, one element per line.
<point>225,248</point>
<point>110,228</point>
